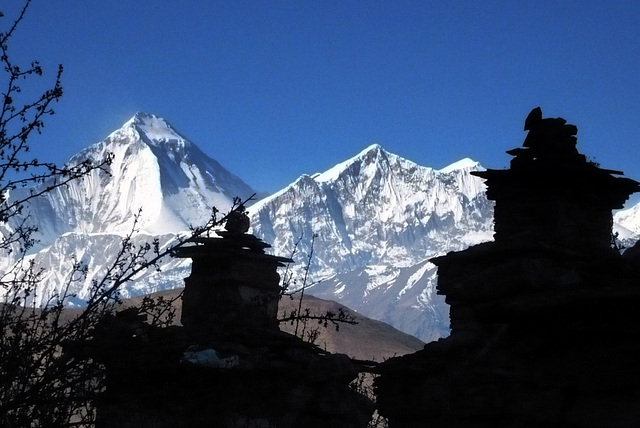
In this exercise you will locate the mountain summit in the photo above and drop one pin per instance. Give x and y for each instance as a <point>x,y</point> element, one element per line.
<point>155,130</point>
<point>155,169</point>
<point>375,220</point>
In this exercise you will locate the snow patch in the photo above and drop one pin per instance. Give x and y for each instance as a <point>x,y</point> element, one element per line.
<point>414,278</point>
<point>629,218</point>
<point>334,172</point>
<point>465,163</point>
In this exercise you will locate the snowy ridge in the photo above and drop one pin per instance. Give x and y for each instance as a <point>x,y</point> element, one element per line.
<point>154,169</point>
<point>377,218</point>
<point>336,171</point>
<point>465,163</point>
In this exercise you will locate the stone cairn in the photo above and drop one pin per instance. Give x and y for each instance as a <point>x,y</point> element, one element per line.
<point>228,365</point>
<point>234,286</point>
<point>545,320</point>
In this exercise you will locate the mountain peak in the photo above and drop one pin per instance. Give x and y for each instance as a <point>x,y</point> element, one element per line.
<point>461,164</point>
<point>375,148</point>
<point>369,155</point>
<point>154,129</point>
<point>372,153</point>
<point>140,118</point>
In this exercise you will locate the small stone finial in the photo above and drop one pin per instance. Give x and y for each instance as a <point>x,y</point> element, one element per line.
<point>237,221</point>
<point>532,120</point>
<point>550,137</point>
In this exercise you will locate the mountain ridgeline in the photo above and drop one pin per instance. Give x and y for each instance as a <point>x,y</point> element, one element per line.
<point>153,168</point>
<point>372,221</point>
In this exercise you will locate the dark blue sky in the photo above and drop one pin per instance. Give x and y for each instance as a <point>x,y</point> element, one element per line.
<point>275,89</point>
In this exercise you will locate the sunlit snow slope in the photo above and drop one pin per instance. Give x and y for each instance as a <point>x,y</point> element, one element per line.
<point>377,218</point>
<point>155,170</point>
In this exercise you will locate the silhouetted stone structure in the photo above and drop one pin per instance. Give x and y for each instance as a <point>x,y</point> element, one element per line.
<point>545,320</point>
<point>233,285</point>
<point>229,366</point>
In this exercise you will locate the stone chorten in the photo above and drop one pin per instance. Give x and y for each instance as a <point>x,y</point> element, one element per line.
<point>233,284</point>
<point>229,365</point>
<point>545,319</point>
<point>552,196</point>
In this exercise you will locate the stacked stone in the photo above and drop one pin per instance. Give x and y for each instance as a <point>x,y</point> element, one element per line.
<point>553,234</point>
<point>233,286</point>
<point>542,317</point>
<point>552,196</point>
<point>228,365</point>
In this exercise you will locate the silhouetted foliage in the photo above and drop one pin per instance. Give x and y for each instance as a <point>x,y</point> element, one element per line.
<point>308,324</point>
<point>44,380</point>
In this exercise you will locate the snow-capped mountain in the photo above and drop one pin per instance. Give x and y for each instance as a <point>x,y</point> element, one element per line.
<point>626,223</point>
<point>154,169</point>
<point>375,220</point>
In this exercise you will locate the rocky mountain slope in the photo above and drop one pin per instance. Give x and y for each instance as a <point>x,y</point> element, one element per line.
<point>375,220</point>
<point>155,170</point>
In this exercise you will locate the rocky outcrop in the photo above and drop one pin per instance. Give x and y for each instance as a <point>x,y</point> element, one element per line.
<point>543,319</point>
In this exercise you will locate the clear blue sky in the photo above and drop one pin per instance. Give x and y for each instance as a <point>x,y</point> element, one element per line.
<point>276,89</point>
